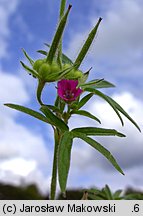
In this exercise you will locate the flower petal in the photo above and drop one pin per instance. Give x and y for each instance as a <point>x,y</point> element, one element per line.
<point>67,90</point>
<point>77,92</point>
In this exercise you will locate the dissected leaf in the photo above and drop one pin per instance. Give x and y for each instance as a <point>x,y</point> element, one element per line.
<point>28,111</point>
<point>43,52</point>
<point>84,100</point>
<point>103,84</point>
<point>106,98</point>
<point>94,131</point>
<point>54,119</point>
<point>83,79</point>
<point>99,148</point>
<point>66,59</point>
<point>114,105</point>
<point>28,57</point>
<point>90,83</point>
<point>54,108</point>
<point>29,70</point>
<point>85,113</point>
<point>98,83</point>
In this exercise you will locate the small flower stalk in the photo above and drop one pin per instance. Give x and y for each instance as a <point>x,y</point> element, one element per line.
<point>73,92</point>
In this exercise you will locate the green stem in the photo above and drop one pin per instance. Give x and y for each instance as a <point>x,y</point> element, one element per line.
<point>40,87</point>
<point>55,164</point>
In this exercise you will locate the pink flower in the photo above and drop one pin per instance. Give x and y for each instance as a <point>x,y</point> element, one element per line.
<point>67,90</point>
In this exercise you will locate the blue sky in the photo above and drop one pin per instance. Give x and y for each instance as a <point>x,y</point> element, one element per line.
<point>116,55</point>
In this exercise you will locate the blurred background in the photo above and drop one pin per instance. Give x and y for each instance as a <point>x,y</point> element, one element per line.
<point>26,145</point>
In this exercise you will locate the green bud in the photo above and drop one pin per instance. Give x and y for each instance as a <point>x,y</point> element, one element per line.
<point>49,73</point>
<point>73,74</point>
<point>37,64</point>
<point>55,67</point>
<point>44,70</point>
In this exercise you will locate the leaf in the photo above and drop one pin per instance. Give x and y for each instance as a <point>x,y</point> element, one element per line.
<point>85,113</point>
<point>66,59</point>
<point>108,192</point>
<point>94,131</point>
<point>42,52</point>
<point>117,194</point>
<point>28,111</point>
<point>57,101</point>
<point>106,98</point>
<point>83,79</point>
<point>99,148</point>
<point>87,44</point>
<point>90,83</point>
<point>64,159</point>
<point>57,36</point>
<point>28,57</point>
<point>54,109</point>
<point>98,83</point>
<point>29,70</point>
<point>48,45</point>
<point>84,100</point>
<point>124,113</point>
<point>96,194</point>
<point>103,84</point>
<point>54,119</point>
<point>114,105</point>
<point>65,72</point>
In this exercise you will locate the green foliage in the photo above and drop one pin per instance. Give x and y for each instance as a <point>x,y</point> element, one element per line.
<point>53,119</point>
<point>57,37</point>
<point>65,146</point>
<point>94,131</point>
<point>114,105</point>
<point>97,83</point>
<point>84,100</point>
<point>28,111</point>
<point>28,57</point>
<point>85,113</point>
<point>104,194</point>
<point>54,67</point>
<point>30,71</point>
<point>99,148</point>
<point>87,44</point>
<point>65,58</point>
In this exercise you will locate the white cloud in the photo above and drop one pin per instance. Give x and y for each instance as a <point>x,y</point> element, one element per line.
<point>117,51</point>
<point>23,154</point>
<point>119,32</point>
<point>90,168</point>
<point>22,172</point>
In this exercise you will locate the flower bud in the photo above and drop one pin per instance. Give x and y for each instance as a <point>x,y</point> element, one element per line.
<point>73,74</point>
<point>48,72</point>
<point>37,64</point>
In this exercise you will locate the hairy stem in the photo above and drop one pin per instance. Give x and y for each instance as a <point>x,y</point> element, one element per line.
<point>40,87</point>
<point>55,164</point>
